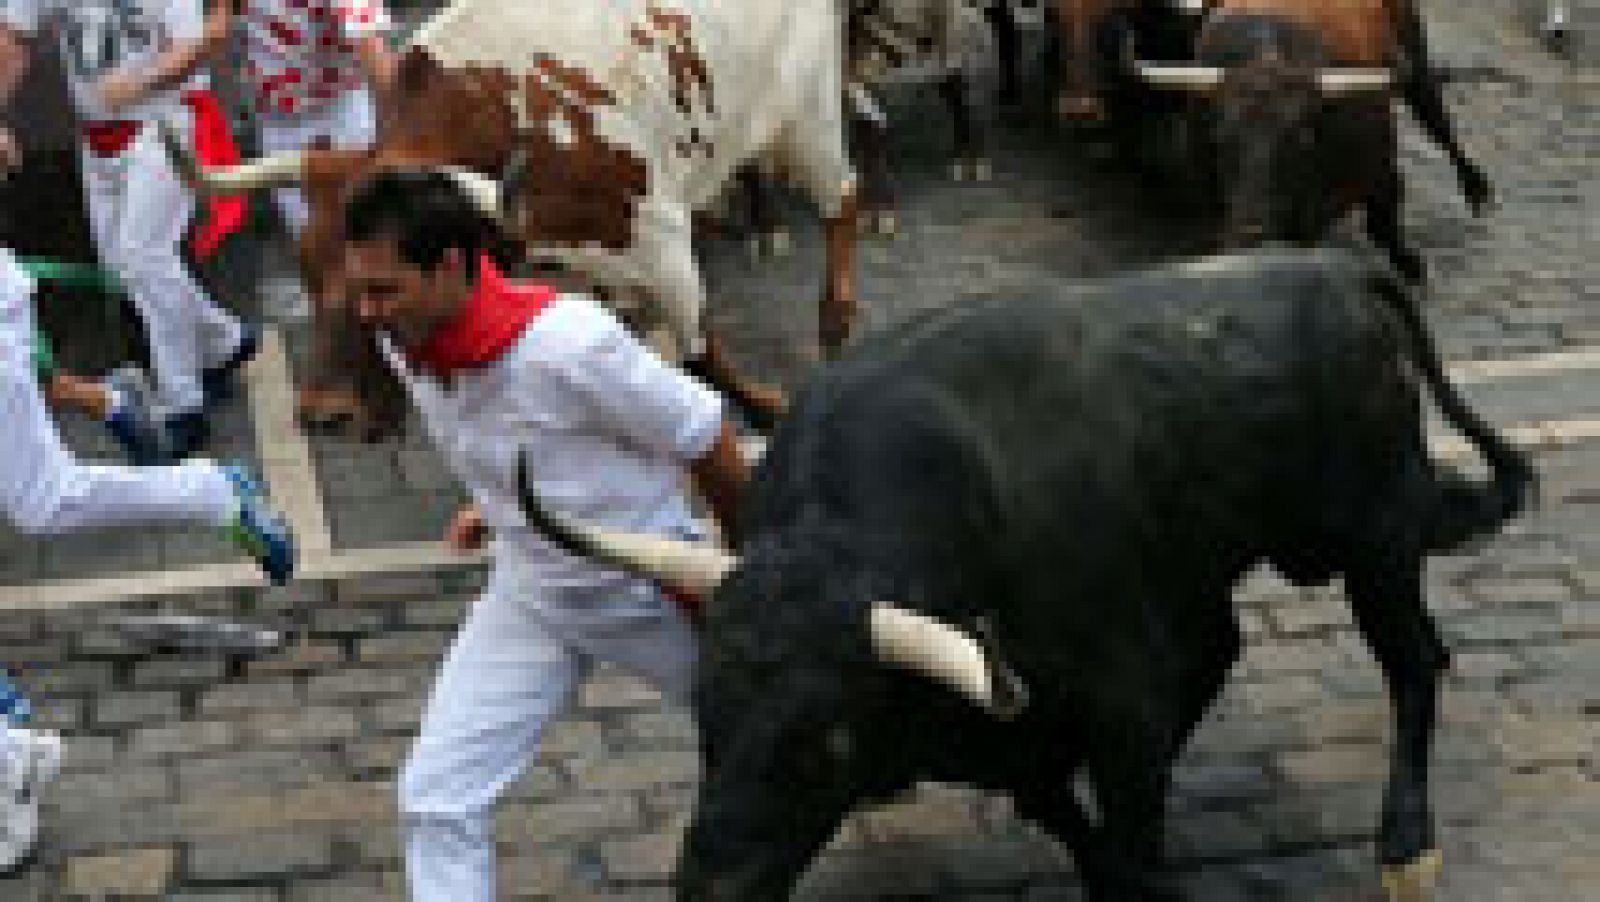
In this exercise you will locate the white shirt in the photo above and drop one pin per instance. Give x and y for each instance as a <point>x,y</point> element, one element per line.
<point>300,54</point>
<point>16,310</point>
<point>98,37</point>
<point>608,429</point>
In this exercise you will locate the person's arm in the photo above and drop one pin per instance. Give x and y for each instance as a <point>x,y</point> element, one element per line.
<point>195,41</point>
<point>719,477</point>
<point>14,55</point>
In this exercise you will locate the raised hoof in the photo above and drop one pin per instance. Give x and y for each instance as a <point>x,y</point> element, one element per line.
<point>975,170</point>
<point>1413,882</point>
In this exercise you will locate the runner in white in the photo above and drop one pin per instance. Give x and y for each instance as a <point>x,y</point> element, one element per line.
<point>501,370</point>
<point>44,491</point>
<point>311,67</point>
<point>129,62</point>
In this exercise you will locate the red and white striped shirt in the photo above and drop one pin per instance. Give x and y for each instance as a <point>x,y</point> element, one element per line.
<point>300,54</point>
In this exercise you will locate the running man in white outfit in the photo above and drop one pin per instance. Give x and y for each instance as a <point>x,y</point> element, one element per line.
<point>129,63</point>
<point>45,491</point>
<point>502,370</point>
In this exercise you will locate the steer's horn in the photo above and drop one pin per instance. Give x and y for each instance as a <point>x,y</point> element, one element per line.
<point>278,169</point>
<point>1200,79</point>
<point>1353,81</point>
<point>968,664</point>
<point>484,191</point>
<point>692,567</point>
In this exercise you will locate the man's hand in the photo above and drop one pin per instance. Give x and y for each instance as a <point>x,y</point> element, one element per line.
<point>467,532</point>
<point>119,90</point>
<point>10,151</point>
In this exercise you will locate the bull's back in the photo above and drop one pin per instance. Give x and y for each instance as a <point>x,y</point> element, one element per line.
<point>698,85</point>
<point>1149,409</point>
<point>1355,32</point>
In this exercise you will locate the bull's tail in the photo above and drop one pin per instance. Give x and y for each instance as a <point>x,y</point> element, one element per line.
<point>1464,509</point>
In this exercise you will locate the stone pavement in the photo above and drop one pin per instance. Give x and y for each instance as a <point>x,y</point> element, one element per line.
<point>216,777</point>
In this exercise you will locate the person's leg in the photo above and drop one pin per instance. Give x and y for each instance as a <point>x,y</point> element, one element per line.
<point>503,681</point>
<point>657,645</point>
<point>188,331</point>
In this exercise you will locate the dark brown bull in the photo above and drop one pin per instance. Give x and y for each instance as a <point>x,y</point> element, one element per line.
<point>1295,116</point>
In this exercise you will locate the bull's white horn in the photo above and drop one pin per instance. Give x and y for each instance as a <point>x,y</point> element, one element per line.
<point>483,190</point>
<point>277,169</point>
<point>1182,78</point>
<point>1353,81</point>
<point>693,567</point>
<point>945,654</point>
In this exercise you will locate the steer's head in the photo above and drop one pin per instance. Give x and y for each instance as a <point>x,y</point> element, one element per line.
<point>796,637</point>
<point>1266,104</point>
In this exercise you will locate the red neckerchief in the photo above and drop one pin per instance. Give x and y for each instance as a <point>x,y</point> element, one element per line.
<point>214,146</point>
<point>490,322</point>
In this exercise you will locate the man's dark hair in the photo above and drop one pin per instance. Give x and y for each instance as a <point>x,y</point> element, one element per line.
<point>425,212</point>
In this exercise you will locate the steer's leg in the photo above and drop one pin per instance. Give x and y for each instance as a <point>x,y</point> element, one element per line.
<point>868,126</point>
<point>1003,22</point>
<point>815,145</point>
<point>675,283</point>
<point>1419,85</point>
<point>1384,224</point>
<point>970,160</point>
<point>1391,612</point>
<point>1130,767</point>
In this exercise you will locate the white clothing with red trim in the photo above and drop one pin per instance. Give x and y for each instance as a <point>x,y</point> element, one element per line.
<point>99,37</point>
<point>608,430</point>
<point>300,54</point>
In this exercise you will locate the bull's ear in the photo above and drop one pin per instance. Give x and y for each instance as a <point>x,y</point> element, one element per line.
<point>415,71</point>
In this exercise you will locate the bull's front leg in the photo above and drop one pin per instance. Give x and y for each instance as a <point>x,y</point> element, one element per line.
<point>1003,22</point>
<point>1391,613</point>
<point>838,311</point>
<point>971,163</point>
<point>869,141</point>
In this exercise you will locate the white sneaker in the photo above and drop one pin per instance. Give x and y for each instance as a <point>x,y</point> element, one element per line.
<point>28,760</point>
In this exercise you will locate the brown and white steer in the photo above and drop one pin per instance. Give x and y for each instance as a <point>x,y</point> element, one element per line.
<point>625,117</point>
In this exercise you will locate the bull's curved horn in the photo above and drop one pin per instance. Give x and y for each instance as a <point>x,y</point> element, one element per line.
<point>278,169</point>
<point>692,567</point>
<point>1200,79</point>
<point>484,191</point>
<point>932,647</point>
<point>1354,81</point>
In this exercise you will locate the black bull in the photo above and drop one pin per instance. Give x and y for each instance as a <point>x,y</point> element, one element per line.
<point>1088,473</point>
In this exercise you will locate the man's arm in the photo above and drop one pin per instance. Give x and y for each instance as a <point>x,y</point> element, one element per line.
<point>190,49</point>
<point>14,55</point>
<point>719,477</point>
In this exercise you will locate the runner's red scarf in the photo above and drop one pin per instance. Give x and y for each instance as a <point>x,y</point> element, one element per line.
<point>214,145</point>
<point>490,322</point>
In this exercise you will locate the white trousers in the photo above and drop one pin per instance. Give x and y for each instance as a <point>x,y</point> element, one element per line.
<point>349,123</point>
<point>507,677</point>
<point>139,210</point>
<point>44,490</point>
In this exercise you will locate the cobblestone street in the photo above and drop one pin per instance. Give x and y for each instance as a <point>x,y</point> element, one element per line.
<point>217,777</point>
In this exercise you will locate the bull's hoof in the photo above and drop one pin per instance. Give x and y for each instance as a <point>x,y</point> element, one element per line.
<point>882,223</point>
<point>1413,882</point>
<point>976,169</point>
<point>1081,109</point>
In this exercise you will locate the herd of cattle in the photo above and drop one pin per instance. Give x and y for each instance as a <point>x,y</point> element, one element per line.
<point>996,543</point>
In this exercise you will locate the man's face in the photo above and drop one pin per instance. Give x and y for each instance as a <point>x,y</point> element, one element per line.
<point>393,296</point>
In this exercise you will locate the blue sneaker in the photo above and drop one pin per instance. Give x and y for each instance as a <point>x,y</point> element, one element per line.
<point>257,529</point>
<point>133,421</point>
<point>218,381</point>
